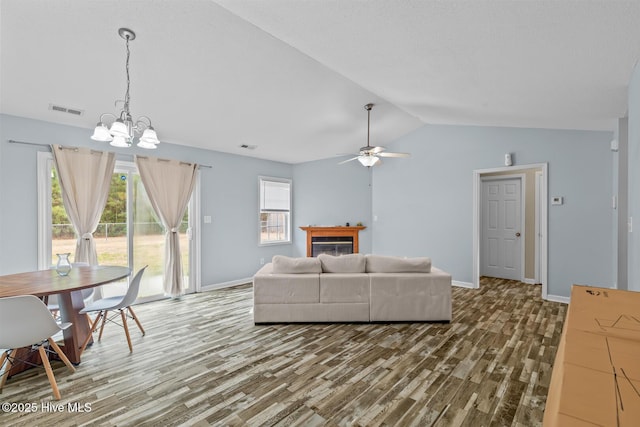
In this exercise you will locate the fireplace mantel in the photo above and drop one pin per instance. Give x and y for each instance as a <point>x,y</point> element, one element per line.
<point>336,231</point>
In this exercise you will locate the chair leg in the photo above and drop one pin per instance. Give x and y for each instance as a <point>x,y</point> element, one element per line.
<point>3,380</point>
<point>91,331</point>
<point>104,320</point>
<point>2,359</point>
<point>126,329</point>
<point>133,315</point>
<point>90,322</point>
<point>47,368</point>
<point>61,355</point>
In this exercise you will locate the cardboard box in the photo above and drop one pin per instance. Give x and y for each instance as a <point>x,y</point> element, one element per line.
<point>596,374</point>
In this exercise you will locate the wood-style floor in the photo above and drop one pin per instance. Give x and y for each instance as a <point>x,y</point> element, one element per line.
<point>203,362</point>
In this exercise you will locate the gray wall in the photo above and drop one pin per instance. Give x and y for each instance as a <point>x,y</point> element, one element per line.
<point>325,193</point>
<point>423,204</point>
<point>633,279</point>
<point>229,194</point>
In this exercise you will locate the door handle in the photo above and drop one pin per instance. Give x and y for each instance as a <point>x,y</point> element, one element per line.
<point>518,234</point>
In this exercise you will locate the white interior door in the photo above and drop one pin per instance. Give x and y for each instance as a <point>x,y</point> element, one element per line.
<point>501,241</point>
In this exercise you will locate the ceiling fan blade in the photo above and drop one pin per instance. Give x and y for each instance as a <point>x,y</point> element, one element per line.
<point>377,150</point>
<point>394,154</point>
<point>349,160</point>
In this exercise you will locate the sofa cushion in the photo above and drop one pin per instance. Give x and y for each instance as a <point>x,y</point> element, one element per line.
<point>344,288</point>
<point>391,264</point>
<point>351,263</point>
<point>284,289</point>
<point>287,265</point>
<point>410,296</point>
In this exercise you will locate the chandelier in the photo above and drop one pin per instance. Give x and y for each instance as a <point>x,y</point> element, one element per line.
<point>123,128</point>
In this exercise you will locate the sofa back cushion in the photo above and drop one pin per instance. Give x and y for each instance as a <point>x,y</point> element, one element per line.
<point>287,265</point>
<point>391,264</point>
<point>352,263</point>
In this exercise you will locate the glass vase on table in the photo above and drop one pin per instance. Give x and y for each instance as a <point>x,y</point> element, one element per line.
<point>63,267</point>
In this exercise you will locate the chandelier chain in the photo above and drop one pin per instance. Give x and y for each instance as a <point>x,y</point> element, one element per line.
<point>126,97</point>
<point>368,124</point>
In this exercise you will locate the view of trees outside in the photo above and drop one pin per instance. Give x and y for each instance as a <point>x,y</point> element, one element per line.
<point>113,222</point>
<point>273,227</point>
<point>111,234</point>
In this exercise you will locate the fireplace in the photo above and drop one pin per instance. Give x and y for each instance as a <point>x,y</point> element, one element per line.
<point>332,240</point>
<point>332,245</point>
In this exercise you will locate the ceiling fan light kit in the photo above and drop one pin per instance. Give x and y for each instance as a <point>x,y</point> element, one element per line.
<point>370,155</point>
<point>123,128</point>
<point>369,160</point>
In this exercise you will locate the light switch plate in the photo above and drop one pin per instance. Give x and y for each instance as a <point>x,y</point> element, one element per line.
<point>557,200</point>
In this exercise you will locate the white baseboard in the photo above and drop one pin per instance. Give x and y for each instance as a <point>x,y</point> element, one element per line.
<point>558,298</point>
<point>463,284</point>
<point>530,281</point>
<point>226,284</point>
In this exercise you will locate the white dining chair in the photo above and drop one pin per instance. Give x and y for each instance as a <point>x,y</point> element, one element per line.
<point>121,303</point>
<point>27,322</point>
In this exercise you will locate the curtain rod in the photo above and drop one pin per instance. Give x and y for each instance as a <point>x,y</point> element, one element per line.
<point>13,141</point>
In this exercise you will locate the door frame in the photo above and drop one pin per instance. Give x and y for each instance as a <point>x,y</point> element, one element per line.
<point>543,220</point>
<point>523,184</point>
<point>538,225</point>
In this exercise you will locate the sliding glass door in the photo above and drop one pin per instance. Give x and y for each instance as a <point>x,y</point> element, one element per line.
<point>148,243</point>
<point>129,233</point>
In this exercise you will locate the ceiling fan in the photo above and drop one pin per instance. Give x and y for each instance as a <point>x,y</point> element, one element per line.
<point>370,155</point>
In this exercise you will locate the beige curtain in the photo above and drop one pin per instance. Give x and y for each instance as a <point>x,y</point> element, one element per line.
<point>169,184</point>
<point>85,178</point>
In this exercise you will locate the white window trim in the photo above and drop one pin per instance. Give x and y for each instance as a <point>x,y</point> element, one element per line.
<point>44,165</point>
<point>289,238</point>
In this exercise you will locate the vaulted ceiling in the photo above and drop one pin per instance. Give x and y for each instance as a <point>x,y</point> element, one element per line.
<point>292,77</point>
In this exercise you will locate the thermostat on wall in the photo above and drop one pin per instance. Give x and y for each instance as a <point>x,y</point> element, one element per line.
<point>556,200</point>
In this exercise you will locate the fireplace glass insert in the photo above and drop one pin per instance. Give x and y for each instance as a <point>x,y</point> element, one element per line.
<point>332,245</point>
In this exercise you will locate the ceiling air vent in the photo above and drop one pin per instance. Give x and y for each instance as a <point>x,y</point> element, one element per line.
<point>68,110</point>
<point>249,147</point>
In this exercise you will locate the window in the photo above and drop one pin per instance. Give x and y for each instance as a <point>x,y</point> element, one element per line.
<point>275,210</point>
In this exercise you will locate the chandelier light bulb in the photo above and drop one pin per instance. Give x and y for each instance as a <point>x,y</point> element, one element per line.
<point>118,128</point>
<point>119,141</point>
<point>149,135</point>
<point>101,133</point>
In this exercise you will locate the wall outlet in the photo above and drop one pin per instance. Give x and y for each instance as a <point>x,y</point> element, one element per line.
<point>261,261</point>
<point>557,200</point>
<point>630,224</point>
<point>207,219</point>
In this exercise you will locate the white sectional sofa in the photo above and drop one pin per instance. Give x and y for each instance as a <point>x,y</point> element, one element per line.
<point>351,288</point>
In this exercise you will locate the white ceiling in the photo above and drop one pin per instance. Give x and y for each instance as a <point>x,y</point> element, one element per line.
<point>292,76</point>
